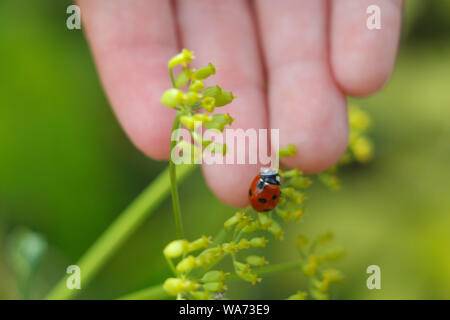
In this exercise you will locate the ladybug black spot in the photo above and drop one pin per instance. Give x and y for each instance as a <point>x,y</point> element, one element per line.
<point>250,192</point>
<point>262,200</point>
<point>274,197</point>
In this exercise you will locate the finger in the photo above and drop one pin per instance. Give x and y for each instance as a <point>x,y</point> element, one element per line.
<point>362,59</point>
<point>132,41</point>
<point>304,101</point>
<point>223,31</point>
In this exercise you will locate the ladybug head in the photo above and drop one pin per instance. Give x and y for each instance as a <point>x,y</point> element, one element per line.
<point>269,175</point>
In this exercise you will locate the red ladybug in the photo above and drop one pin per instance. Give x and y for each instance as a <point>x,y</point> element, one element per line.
<point>264,192</point>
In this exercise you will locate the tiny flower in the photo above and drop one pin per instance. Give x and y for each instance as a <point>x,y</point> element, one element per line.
<point>230,247</point>
<point>202,117</point>
<point>258,242</point>
<point>238,217</point>
<point>297,214</point>
<point>183,58</point>
<point>242,267</point>
<point>196,85</point>
<point>276,230</point>
<point>209,104</point>
<point>362,149</point>
<point>203,242</point>
<point>243,244</point>
<point>215,286</point>
<point>300,295</point>
<point>172,97</point>
<point>175,286</point>
<point>214,276</point>
<point>183,78</point>
<point>200,295</point>
<point>205,72</point>
<point>264,221</point>
<point>192,97</point>
<point>250,277</point>
<point>302,241</point>
<point>294,173</point>
<point>288,151</point>
<point>334,254</point>
<point>256,261</point>
<point>187,264</point>
<point>219,121</point>
<point>222,97</point>
<point>176,248</point>
<point>311,268</point>
<point>188,121</point>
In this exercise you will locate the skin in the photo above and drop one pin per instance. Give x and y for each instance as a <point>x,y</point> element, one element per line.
<point>311,55</point>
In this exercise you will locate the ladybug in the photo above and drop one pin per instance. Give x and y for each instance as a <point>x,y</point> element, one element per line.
<point>264,192</point>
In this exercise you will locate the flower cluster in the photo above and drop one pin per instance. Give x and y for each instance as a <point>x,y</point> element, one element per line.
<point>197,98</point>
<point>194,264</point>
<point>360,147</point>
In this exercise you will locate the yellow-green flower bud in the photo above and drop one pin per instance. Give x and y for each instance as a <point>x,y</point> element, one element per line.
<point>209,104</point>
<point>252,226</point>
<point>362,149</point>
<point>332,275</point>
<point>205,72</point>
<point>256,261</point>
<point>302,241</point>
<point>200,295</point>
<point>276,230</point>
<point>300,295</point>
<point>215,286</point>
<point>188,121</point>
<point>294,173</point>
<point>214,276</point>
<point>243,244</point>
<point>238,216</point>
<point>298,213</point>
<point>284,214</point>
<point>202,117</point>
<point>242,267</point>
<point>288,151</point>
<point>209,256</point>
<point>176,248</point>
<point>230,247</point>
<point>183,78</point>
<point>183,58</point>
<point>192,97</point>
<point>264,221</point>
<point>172,97</point>
<point>311,268</point>
<point>197,86</point>
<point>203,242</point>
<point>250,277</point>
<point>258,242</point>
<point>222,97</point>
<point>358,119</point>
<point>187,264</point>
<point>175,286</point>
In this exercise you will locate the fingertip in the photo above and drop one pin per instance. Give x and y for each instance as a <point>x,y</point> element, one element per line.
<point>230,183</point>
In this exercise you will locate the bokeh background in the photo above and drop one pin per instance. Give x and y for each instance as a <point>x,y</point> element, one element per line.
<point>67,171</point>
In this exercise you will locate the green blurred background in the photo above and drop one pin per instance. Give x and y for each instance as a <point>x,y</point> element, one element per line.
<point>67,170</point>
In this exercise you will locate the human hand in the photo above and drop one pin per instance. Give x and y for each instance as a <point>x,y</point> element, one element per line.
<point>311,54</point>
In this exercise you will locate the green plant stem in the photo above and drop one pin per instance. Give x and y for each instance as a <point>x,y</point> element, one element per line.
<point>119,231</point>
<point>173,183</point>
<point>152,293</point>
